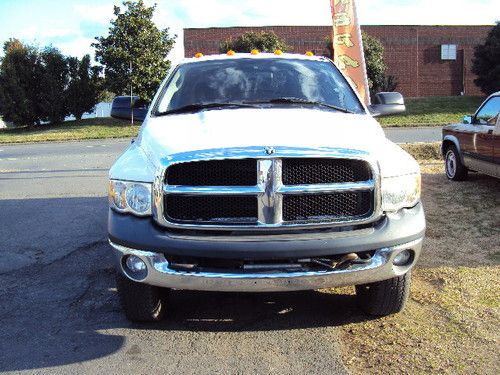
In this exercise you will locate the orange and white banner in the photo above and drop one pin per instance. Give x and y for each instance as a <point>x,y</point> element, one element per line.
<point>348,46</point>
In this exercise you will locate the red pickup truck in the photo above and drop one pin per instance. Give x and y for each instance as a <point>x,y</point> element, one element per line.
<point>474,145</point>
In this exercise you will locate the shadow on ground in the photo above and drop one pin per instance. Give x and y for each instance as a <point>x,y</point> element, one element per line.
<point>66,311</point>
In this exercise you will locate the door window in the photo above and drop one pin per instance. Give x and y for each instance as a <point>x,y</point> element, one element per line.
<point>489,113</point>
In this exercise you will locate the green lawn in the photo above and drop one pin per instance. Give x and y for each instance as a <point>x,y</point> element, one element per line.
<point>434,111</point>
<point>96,128</point>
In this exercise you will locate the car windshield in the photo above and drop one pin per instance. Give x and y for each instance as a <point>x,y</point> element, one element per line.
<point>246,81</point>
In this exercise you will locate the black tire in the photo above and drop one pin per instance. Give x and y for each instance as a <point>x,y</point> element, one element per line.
<point>454,168</point>
<point>140,302</point>
<point>384,297</point>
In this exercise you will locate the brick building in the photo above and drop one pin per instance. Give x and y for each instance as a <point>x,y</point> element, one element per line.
<point>426,60</point>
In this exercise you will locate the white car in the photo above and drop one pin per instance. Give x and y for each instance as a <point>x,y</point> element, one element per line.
<point>259,173</point>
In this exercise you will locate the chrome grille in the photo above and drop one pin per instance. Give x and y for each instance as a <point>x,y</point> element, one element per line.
<point>207,208</point>
<point>312,207</point>
<point>303,171</point>
<point>242,172</point>
<point>269,193</point>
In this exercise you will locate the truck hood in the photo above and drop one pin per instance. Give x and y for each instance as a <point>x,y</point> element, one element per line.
<point>307,128</point>
<point>292,127</point>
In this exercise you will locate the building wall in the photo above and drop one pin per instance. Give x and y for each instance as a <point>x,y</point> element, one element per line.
<point>412,53</point>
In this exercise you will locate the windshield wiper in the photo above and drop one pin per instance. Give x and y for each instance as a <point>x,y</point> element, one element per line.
<point>199,106</point>
<point>293,100</point>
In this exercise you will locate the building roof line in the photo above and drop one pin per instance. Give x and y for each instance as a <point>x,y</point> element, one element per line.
<point>321,26</point>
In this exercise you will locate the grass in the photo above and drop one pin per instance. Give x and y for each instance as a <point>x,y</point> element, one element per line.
<point>450,324</point>
<point>423,151</point>
<point>434,111</point>
<point>96,128</point>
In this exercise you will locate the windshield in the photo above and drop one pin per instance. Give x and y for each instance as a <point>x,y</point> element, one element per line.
<point>234,81</point>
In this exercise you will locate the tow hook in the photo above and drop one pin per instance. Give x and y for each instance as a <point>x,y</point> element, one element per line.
<point>345,262</point>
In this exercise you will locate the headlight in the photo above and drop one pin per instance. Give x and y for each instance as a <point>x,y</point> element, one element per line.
<point>117,194</point>
<point>400,192</point>
<point>134,197</point>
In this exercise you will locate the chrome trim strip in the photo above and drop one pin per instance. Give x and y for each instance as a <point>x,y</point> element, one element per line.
<point>380,267</point>
<point>269,188</point>
<point>328,188</point>
<point>270,202</point>
<point>212,190</point>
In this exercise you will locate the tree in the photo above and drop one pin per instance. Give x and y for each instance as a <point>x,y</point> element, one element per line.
<point>375,64</point>
<point>20,86</point>
<point>134,39</point>
<point>486,62</point>
<point>54,81</point>
<point>263,41</point>
<point>84,86</point>
<point>44,85</point>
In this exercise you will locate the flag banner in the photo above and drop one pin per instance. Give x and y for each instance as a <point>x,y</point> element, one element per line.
<point>348,46</point>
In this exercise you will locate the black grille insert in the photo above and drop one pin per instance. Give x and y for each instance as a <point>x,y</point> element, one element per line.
<point>310,207</point>
<point>304,171</point>
<point>231,209</point>
<point>214,173</point>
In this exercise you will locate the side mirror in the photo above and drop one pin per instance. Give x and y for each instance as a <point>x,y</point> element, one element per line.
<point>141,103</point>
<point>124,107</point>
<point>467,120</point>
<point>387,103</point>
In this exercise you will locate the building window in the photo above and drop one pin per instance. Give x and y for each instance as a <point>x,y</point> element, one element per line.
<point>448,52</point>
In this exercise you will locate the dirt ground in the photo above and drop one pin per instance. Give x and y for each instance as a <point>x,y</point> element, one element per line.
<point>451,322</point>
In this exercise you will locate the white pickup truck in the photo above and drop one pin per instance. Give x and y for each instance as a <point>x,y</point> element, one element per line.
<point>263,172</point>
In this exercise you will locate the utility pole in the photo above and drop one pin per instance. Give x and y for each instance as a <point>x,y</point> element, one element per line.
<point>131,97</point>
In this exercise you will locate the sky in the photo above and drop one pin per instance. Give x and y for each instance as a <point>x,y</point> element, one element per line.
<point>72,25</point>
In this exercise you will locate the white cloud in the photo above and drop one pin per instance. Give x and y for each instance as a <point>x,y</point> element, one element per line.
<point>179,14</point>
<point>214,13</point>
<point>43,32</point>
<point>217,13</point>
<point>77,47</point>
<point>429,12</point>
<point>100,14</point>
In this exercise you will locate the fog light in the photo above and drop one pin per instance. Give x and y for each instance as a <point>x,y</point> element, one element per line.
<point>135,264</point>
<point>402,258</point>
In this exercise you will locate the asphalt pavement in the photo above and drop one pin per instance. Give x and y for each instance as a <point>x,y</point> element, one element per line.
<point>58,304</point>
<point>59,308</point>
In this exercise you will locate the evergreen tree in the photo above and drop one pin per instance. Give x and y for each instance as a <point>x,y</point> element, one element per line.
<point>134,39</point>
<point>486,62</point>
<point>263,42</point>
<point>20,85</point>
<point>83,91</point>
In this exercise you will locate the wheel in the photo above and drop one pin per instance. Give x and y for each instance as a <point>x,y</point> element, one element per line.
<point>140,302</point>
<point>455,170</point>
<point>384,297</point>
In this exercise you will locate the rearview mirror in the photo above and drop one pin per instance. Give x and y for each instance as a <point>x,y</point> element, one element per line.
<point>387,103</point>
<point>467,120</point>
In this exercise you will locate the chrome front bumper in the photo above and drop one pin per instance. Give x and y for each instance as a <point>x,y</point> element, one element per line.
<point>379,268</point>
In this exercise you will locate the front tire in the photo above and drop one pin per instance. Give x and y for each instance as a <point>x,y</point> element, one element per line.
<point>140,302</point>
<point>384,297</point>
<point>454,168</point>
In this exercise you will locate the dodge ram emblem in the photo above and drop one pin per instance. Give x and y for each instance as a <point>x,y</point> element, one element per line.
<point>269,150</point>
